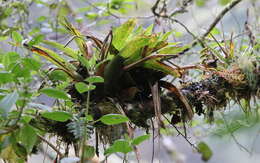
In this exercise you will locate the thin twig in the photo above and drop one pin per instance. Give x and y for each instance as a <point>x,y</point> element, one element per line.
<point>254,142</point>
<point>180,133</point>
<point>51,145</point>
<point>186,28</point>
<point>182,8</point>
<point>233,136</point>
<point>220,16</point>
<point>155,6</point>
<point>211,26</point>
<point>46,154</point>
<point>222,49</point>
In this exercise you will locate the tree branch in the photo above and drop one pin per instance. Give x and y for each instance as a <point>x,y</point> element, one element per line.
<point>182,8</point>
<point>205,96</point>
<point>220,16</point>
<point>212,25</point>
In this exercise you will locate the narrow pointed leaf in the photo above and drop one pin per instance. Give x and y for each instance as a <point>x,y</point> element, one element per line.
<point>173,49</point>
<point>121,34</point>
<point>133,46</point>
<point>36,40</point>
<point>138,140</point>
<point>48,54</point>
<point>159,66</point>
<point>149,30</point>
<point>66,50</point>
<point>77,36</point>
<point>122,146</point>
<point>55,59</point>
<point>165,36</point>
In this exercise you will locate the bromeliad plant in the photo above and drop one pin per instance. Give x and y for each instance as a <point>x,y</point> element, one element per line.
<point>130,60</point>
<point>123,71</point>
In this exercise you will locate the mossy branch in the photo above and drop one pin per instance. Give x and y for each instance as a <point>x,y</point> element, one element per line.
<point>212,93</point>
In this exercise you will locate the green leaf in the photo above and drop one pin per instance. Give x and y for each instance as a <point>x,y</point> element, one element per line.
<point>83,9</point>
<point>223,2</point>
<point>149,30</point>
<point>52,92</point>
<point>32,63</point>
<point>3,38</point>
<point>28,137</point>
<point>36,40</point>
<point>17,37</point>
<point>134,46</point>
<point>58,75</point>
<point>41,18</point>
<point>121,34</point>
<point>95,79</point>
<point>165,36</point>
<point>66,50</point>
<point>177,34</point>
<point>200,3</point>
<point>215,31</point>
<point>7,103</point>
<point>21,71</point>
<point>83,87</point>
<point>119,146</point>
<point>60,116</point>
<point>205,151</point>
<point>5,77</point>
<point>10,59</point>
<point>79,39</point>
<point>89,118</point>
<point>160,66</point>
<point>91,15</point>
<point>34,31</point>
<point>54,58</point>
<point>20,151</point>
<point>112,119</point>
<point>84,61</point>
<point>27,118</point>
<point>140,139</point>
<point>173,49</point>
